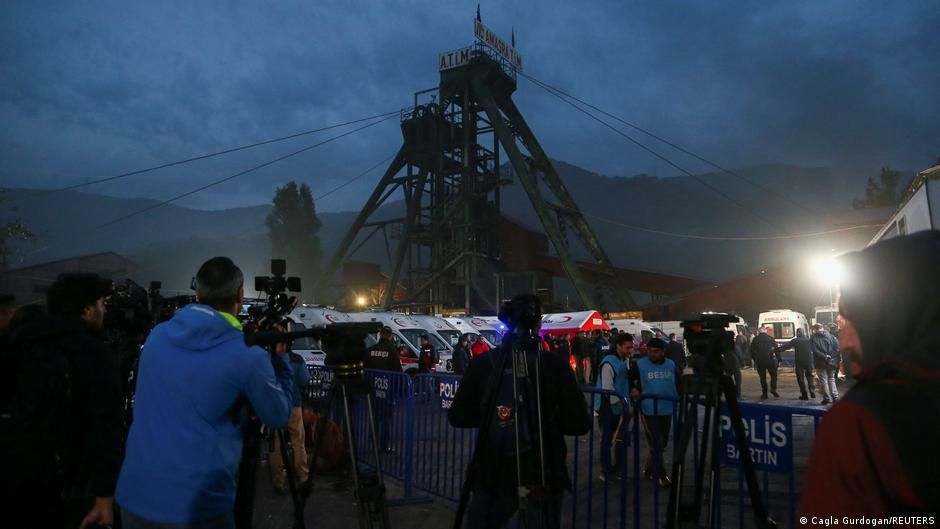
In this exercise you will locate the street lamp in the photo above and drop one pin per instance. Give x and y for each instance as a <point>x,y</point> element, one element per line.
<point>361,301</point>
<point>829,272</point>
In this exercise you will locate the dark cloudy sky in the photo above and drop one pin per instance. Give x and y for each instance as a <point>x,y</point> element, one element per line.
<point>91,89</point>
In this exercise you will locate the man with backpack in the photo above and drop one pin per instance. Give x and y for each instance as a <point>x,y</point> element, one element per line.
<point>612,410</point>
<point>63,432</point>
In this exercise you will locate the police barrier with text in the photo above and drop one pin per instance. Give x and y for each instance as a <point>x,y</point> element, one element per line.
<point>426,455</point>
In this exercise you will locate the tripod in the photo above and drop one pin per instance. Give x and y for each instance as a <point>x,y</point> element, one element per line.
<point>535,508</point>
<point>709,390</point>
<point>369,488</point>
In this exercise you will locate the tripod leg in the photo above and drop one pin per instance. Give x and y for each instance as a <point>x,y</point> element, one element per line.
<point>287,454</point>
<point>318,438</point>
<point>761,517</point>
<point>675,513</point>
<point>379,503</point>
<point>363,519</point>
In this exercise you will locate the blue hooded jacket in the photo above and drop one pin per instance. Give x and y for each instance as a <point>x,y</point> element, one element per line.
<point>185,442</point>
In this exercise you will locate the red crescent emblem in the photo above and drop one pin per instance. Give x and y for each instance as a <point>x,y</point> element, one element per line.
<point>332,318</point>
<point>503,412</point>
<point>398,322</point>
<point>564,319</point>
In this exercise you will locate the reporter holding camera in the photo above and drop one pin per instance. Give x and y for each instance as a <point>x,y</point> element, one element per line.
<point>196,377</point>
<point>493,476</point>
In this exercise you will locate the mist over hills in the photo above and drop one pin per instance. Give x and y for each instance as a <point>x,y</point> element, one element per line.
<point>170,242</point>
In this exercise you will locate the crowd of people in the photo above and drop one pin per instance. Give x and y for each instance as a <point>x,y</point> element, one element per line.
<point>69,460</point>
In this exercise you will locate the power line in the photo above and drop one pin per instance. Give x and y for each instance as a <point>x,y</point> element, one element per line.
<point>715,238</point>
<point>353,179</point>
<point>220,153</point>
<point>220,181</point>
<point>660,156</point>
<point>671,144</point>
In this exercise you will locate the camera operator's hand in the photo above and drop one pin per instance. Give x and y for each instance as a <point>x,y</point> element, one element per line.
<point>102,514</point>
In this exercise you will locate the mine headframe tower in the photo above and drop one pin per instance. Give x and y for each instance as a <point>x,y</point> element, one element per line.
<point>448,168</point>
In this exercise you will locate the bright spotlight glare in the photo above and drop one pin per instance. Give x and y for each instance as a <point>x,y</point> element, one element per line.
<point>361,301</point>
<point>828,271</point>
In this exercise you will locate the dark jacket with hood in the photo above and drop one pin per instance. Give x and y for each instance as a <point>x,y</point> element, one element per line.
<point>564,413</point>
<point>875,451</point>
<point>185,443</point>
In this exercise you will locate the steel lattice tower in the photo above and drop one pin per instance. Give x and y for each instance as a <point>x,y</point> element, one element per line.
<point>448,251</point>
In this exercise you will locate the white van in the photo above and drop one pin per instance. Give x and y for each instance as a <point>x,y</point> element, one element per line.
<point>465,328</point>
<point>490,327</point>
<point>825,315</point>
<point>641,331</point>
<point>783,324</point>
<point>737,327</point>
<point>667,328</point>
<point>408,331</point>
<point>305,317</point>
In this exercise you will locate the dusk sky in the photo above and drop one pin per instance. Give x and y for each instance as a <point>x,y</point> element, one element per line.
<point>93,89</point>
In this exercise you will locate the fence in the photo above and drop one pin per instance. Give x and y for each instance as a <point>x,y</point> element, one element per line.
<point>421,450</point>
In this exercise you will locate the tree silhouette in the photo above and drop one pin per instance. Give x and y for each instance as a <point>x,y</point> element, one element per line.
<point>883,193</point>
<point>294,228</point>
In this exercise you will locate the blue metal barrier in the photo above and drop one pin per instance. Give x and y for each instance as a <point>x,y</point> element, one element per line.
<point>442,453</point>
<point>426,454</point>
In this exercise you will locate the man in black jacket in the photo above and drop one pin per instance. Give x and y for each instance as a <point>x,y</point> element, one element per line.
<point>493,477</point>
<point>462,355</point>
<point>384,354</point>
<point>766,359</point>
<point>54,460</point>
<point>803,359</point>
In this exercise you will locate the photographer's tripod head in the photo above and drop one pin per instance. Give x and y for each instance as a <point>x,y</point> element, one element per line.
<point>523,315</point>
<point>708,340</point>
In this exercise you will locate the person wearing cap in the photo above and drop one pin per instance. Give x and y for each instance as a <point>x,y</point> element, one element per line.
<point>54,469</point>
<point>384,355</point>
<point>825,349</point>
<point>653,379</point>
<point>766,359</point>
<point>875,450</point>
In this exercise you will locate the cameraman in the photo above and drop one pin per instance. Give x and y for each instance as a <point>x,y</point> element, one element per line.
<point>66,429</point>
<point>493,476</point>
<point>196,374</point>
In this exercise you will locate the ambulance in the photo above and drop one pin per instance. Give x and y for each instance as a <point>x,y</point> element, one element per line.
<point>783,324</point>
<point>447,334</point>
<point>408,331</point>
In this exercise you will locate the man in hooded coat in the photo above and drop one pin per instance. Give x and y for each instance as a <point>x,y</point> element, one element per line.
<point>875,451</point>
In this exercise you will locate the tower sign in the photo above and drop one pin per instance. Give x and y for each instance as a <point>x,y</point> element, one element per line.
<point>504,50</point>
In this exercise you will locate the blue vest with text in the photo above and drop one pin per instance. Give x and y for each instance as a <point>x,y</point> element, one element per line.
<point>620,380</point>
<point>658,380</point>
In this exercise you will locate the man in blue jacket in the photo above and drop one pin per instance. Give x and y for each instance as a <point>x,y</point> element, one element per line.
<point>196,375</point>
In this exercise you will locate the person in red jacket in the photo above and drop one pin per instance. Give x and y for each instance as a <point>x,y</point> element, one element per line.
<point>875,451</point>
<point>478,347</point>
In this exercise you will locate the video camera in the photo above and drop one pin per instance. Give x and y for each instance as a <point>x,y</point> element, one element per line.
<point>276,286</point>
<point>709,340</point>
<point>524,312</point>
<point>343,343</point>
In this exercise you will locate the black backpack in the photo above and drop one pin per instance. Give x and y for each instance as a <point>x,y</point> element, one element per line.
<point>36,418</point>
